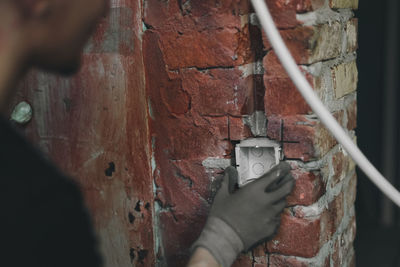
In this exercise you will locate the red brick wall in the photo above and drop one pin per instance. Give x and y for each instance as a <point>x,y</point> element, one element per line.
<point>168,88</point>
<point>208,69</point>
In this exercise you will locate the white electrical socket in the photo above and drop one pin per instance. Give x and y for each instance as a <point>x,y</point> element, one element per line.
<point>254,157</point>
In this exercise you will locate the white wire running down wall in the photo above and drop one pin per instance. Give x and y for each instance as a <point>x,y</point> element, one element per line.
<point>316,105</point>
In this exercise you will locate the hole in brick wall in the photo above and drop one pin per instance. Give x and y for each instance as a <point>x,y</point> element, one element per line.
<point>132,254</point>
<point>131,218</point>
<point>137,207</point>
<point>142,255</point>
<point>110,170</point>
<point>148,26</point>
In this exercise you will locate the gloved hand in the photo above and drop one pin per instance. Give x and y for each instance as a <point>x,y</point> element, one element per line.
<point>238,221</point>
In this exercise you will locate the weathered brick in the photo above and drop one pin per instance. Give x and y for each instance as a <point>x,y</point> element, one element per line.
<point>217,126</point>
<point>260,255</point>
<point>331,216</point>
<point>75,121</point>
<point>342,253</point>
<point>351,192</point>
<point>213,101</point>
<point>336,4</point>
<point>274,127</point>
<point>204,34</point>
<point>281,260</point>
<point>308,189</point>
<point>201,49</point>
<point>282,97</point>
<point>336,211</point>
<point>193,175</point>
<point>174,226</point>
<point>218,92</point>
<point>192,142</point>
<point>345,78</point>
<point>181,180</point>
<point>302,138</point>
<point>326,42</point>
<point>179,212</point>
<point>243,260</point>
<point>352,33</point>
<point>294,231</point>
<point>198,137</point>
<point>114,34</point>
<point>284,12</point>
<point>175,98</point>
<point>284,15</point>
<point>304,234</point>
<point>201,8</point>
<point>299,138</point>
<point>342,164</point>
<point>324,140</point>
<point>352,115</point>
<point>306,5</point>
<point>237,129</point>
<point>199,15</point>
<point>261,261</point>
<point>274,70</point>
<point>310,44</point>
<point>159,14</point>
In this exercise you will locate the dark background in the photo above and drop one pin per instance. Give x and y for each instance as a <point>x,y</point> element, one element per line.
<point>378,236</point>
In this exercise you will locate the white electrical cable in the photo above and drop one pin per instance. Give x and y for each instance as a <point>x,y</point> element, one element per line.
<point>316,105</point>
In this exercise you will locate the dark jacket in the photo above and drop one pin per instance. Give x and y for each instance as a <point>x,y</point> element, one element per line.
<point>43,221</point>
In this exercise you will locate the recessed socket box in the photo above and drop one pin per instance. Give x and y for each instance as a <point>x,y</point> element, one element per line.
<point>254,157</point>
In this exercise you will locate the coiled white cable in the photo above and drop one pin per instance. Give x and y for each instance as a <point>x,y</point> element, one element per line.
<point>316,105</point>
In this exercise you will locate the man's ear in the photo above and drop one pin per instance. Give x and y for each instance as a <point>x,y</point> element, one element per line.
<point>34,8</point>
<point>40,8</point>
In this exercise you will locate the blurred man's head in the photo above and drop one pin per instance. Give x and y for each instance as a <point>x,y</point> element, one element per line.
<point>54,32</point>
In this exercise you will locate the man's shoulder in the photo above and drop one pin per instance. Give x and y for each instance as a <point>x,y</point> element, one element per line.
<point>43,209</point>
<point>27,178</point>
<point>22,162</point>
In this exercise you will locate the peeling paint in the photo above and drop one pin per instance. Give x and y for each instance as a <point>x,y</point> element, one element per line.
<point>98,117</point>
<point>114,35</point>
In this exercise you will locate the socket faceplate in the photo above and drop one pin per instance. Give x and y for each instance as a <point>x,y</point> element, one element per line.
<point>254,157</point>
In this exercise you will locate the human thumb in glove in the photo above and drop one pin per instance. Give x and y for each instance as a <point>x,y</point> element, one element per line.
<point>239,220</point>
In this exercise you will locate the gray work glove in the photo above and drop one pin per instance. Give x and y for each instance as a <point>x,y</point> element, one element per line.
<point>238,221</point>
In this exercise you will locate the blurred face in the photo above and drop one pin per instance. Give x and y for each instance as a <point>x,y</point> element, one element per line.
<point>61,32</point>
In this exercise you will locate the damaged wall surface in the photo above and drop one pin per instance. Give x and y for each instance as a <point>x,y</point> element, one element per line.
<point>94,126</point>
<point>167,89</point>
<point>209,70</point>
